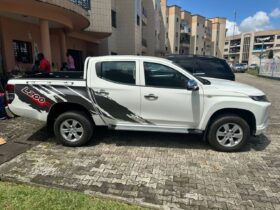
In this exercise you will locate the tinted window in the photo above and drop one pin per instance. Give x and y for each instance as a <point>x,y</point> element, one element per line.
<point>117,71</point>
<point>212,67</point>
<point>185,63</point>
<point>157,75</point>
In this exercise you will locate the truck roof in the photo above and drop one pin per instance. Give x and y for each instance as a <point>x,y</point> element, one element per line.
<point>134,57</point>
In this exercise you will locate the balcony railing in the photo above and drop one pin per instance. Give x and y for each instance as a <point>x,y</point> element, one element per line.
<point>85,4</point>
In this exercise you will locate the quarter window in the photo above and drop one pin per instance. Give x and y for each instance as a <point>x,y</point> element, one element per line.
<point>161,76</point>
<point>123,72</point>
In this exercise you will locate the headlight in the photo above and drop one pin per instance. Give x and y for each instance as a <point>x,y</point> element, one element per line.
<point>259,98</point>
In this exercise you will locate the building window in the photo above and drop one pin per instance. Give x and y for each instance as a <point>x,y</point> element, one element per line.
<point>114,53</point>
<point>167,35</point>
<point>225,50</point>
<point>278,37</point>
<point>226,43</point>
<point>197,36</point>
<point>117,71</point>
<point>201,49</point>
<point>138,20</point>
<point>197,24</point>
<point>196,48</point>
<point>177,19</point>
<point>166,48</point>
<point>176,49</point>
<point>167,20</point>
<point>22,51</point>
<point>114,18</point>
<point>177,34</point>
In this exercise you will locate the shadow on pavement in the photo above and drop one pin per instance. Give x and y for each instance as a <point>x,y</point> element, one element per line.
<point>151,139</point>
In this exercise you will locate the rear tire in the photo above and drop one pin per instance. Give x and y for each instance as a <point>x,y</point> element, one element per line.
<point>73,129</point>
<point>228,133</point>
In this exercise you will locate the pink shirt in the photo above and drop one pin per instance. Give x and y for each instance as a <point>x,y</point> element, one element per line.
<point>70,62</point>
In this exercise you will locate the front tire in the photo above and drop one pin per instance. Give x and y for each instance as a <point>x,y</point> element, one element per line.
<point>228,133</point>
<point>73,129</point>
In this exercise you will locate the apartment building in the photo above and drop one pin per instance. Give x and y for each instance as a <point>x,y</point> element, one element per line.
<point>137,28</point>
<point>186,38</point>
<point>248,47</point>
<point>173,29</point>
<point>188,33</point>
<point>218,36</point>
<point>53,27</point>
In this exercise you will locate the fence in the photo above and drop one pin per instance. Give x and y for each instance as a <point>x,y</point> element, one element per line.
<point>270,68</point>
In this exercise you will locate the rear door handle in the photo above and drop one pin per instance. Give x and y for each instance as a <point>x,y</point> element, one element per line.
<point>151,97</point>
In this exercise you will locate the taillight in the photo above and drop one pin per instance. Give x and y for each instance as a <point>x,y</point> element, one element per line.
<point>10,93</point>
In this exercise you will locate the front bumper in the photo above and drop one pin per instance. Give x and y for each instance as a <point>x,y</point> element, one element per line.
<point>9,113</point>
<point>262,126</point>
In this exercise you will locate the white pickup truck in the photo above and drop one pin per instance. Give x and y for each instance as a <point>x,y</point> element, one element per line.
<point>141,94</point>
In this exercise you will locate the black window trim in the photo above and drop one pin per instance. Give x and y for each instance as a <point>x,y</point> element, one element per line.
<point>119,83</point>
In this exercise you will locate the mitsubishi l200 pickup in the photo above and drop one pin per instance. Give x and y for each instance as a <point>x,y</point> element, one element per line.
<point>138,93</point>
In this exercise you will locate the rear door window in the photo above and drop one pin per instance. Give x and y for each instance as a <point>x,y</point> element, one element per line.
<point>212,67</point>
<point>123,72</point>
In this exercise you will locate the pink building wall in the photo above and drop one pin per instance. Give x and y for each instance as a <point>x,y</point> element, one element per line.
<point>16,30</point>
<point>23,31</point>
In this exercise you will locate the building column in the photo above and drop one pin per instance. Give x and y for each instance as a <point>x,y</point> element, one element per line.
<point>45,39</point>
<point>63,46</point>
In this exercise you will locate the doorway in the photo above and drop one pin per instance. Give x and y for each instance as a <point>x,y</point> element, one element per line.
<point>78,58</point>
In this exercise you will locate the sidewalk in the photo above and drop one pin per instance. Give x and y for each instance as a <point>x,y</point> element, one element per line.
<point>20,134</point>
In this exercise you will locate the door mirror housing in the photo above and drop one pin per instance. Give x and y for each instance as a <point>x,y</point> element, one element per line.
<point>192,85</point>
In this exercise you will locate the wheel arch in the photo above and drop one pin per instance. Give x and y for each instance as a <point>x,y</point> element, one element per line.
<point>247,115</point>
<point>63,107</point>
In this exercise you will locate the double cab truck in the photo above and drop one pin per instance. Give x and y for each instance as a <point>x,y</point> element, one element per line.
<point>138,93</point>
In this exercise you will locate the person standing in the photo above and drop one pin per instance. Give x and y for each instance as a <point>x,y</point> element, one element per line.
<point>44,66</point>
<point>70,62</point>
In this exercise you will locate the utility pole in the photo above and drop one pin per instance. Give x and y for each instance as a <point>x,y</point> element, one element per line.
<point>234,24</point>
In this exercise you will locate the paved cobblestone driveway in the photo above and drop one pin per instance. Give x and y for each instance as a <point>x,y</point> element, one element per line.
<point>165,170</point>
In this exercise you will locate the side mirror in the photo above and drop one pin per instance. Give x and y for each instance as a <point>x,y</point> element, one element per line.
<point>192,85</point>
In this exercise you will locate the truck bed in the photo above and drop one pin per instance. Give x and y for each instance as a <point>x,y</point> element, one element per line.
<point>65,75</point>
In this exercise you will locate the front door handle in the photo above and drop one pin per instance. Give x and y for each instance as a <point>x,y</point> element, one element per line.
<point>103,92</point>
<point>151,97</point>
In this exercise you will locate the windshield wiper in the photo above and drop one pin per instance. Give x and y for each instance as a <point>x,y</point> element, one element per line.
<point>204,81</point>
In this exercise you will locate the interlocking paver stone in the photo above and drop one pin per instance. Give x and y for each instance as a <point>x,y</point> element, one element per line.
<point>170,171</point>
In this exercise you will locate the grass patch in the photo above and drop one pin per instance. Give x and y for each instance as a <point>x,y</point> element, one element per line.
<point>24,197</point>
<point>252,72</point>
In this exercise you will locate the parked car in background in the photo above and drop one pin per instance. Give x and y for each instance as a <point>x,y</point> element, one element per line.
<point>2,103</point>
<point>204,66</point>
<point>254,67</point>
<point>239,68</point>
<point>245,65</point>
<point>138,93</point>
